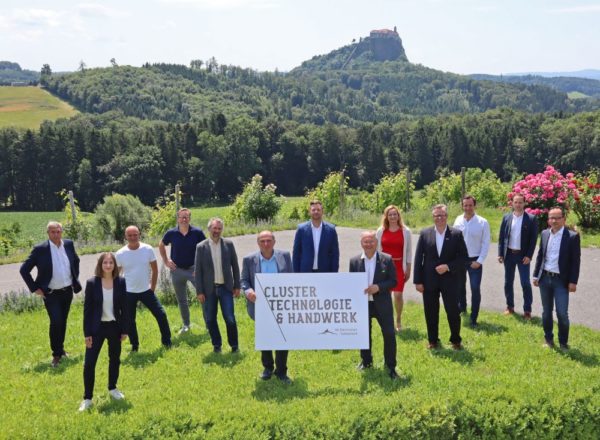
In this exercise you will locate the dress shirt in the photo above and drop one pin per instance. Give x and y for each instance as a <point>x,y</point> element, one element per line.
<point>553,251</point>
<point>215,252</point>
<point>476,232</point>
<point>268,265</point>
<point>61,267</point>
<point>316,233</point>
<point>439,240</point>
<point>108,309</point>
<point>370,269</point>
<point>514,240</point>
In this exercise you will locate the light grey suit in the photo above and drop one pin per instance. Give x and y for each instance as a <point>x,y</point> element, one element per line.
<point>250,267</point>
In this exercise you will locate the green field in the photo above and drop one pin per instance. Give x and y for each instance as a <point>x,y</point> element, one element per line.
<point>503,385</point>
<point>28,107</point>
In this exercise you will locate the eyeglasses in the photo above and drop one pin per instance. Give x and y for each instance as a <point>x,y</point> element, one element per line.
<point>440,215</point>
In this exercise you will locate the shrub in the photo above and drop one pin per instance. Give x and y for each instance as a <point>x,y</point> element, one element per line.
<point>164,217</point>
<point>22,301</point>
<point>78,228</point>
<point>9,237</point>
<point>256,203</point>
<point>586,203</point>
<point>118,211</point>
<point>391,190</point>
<point>330,192</point>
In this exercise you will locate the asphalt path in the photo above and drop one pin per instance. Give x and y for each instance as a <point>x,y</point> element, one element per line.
<point>584,305</point>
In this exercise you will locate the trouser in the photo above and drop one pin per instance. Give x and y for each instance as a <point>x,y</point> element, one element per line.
<point>180,278</point>
<point>224,297</point>
<point>280,363</point>
<point>475,276</point>
<point>553,291</point>
<point>431,304</point>
<point>58,304</point>
<point>511,261</point>
<point>385,319</point>
<point>150,300</point>
<point>110,331</point>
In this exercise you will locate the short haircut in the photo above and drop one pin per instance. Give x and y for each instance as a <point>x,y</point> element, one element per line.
<point>517,195</point>
<point>364,234</point>
<point>265,232</point>
<point>316,202</point>
<point>213,220</point>
<point>53,224</point>
<point>470,197</point>
<point>440,206</point>
<point>99,272</point>
<point>562,210</point>
<point>184,210</point>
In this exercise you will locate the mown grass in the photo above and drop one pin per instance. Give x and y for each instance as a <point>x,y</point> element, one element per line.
<point>503,385</point>
<point>28,107</point>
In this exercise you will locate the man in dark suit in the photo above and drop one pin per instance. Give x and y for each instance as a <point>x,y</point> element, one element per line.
<point>516,244</point>
<point>218,281</point>
<point>57,266</point>
<point>381,276</point>
<point>316,246</point>
<point>439,259</point>
<point>266,260</point>
<point>556,273</point>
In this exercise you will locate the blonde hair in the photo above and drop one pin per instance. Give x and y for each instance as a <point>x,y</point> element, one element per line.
<point>385,223</point>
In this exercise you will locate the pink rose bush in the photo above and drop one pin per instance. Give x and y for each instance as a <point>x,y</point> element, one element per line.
<point>587,200</point>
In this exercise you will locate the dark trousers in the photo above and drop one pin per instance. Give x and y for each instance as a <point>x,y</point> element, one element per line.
<point>553,291</point>
<point>475,284</point>
<point>112,333</point>
<point>224,297</point>
<point>58,304</point>
<point>280,364</point>
<point>431,304</point>
<point>385,318</point>
<point>150,300</point>
<point>512,261</point>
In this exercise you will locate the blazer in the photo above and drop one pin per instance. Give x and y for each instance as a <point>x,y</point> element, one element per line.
<point>406,252</point>
<point>328,259</point>
<point>384,277</point>
<point>569,256</point>
<point>251,266</point>
<point>41,258</point>
<point>92,305</point>
<point>529,231</point>
<point>205,271</point>
<point>454,254</point>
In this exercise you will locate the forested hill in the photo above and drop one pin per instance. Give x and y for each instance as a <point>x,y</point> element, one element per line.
<point>586,86</point>
<point>346,87</point>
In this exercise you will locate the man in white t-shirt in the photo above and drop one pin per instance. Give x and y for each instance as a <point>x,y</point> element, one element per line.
<point>138,263</point>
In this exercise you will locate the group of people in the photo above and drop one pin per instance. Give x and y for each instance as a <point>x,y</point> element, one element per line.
<point>444,256</point>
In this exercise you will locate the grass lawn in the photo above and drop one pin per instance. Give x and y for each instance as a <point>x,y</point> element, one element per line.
<point>28,107</point>
<point>503,385</point>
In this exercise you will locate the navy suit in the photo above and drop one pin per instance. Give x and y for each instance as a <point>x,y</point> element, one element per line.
<point>381,307</point>
<point>454,254</point>
<point>57,302</point>
<point>554,286</point>
<point>328,254</point>
<point>100,330</point>
<point>250,267</point>
<point>514,258</point>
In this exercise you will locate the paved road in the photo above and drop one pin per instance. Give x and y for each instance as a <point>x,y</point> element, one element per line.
<point>584,307</point>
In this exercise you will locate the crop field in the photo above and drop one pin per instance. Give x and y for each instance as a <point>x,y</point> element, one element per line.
<point>28,107</point>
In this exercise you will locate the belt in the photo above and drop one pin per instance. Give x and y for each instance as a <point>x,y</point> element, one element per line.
<point>219,285</point>
<point>550,274</point>
<point>514,251</point>
<point>185,267</point>
<point>396,259</point>
<point>64,289</point>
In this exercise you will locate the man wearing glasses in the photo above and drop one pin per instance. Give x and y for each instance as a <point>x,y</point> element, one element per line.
<point>440,257</point>
<point>183,240</point>
<point>556,273</point>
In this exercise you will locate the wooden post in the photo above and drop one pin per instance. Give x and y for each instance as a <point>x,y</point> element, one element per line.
<point>407,204</point>
<point>342,192</point>
<point>176,199</point>
<point>462,182</point>
<point>72,203</point>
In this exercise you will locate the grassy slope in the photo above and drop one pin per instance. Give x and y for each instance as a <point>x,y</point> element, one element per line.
<point>504,374</point>
<point>28,107</point>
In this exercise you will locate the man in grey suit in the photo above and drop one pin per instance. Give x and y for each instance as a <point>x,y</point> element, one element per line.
<point>218,281</point>
<point>267,260</point>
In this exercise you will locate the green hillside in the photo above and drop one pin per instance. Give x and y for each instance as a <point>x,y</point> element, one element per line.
<point>28,107</point>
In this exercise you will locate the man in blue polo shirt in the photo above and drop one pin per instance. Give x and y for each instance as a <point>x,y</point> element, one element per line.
<point>183,240</point>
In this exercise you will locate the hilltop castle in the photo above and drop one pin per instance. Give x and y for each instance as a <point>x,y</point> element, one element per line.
<point>386,45</point>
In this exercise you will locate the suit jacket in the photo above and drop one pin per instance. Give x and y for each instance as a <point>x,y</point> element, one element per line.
<point>205,271</point>
<point>41,258</point>
<point>251,266</point>
<point>384,277</point>
<point>529,230</point>
<point>328,259</point>
<point>569,256</point>
<point>92,305</point>
<point>454,254</point>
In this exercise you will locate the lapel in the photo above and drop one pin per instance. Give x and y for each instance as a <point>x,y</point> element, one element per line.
<point>564,243</point>
<point>49,255</point>
<point>279,260</point>
<point>224,256</point>
<point>446,241</point>
<point>256,260</point>
<point>310,238</point>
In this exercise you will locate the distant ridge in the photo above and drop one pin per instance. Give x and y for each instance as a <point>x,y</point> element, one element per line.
<point>586,73</point>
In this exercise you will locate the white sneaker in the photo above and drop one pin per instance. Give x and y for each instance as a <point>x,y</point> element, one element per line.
<point>184,329</point>
<point>116,394</point>
<point>85,405</point>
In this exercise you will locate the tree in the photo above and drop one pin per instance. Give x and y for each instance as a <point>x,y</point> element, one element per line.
<point>113,62</point>
<point>45,74</point>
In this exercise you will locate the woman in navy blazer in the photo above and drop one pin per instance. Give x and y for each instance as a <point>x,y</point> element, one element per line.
<point>104,317</point>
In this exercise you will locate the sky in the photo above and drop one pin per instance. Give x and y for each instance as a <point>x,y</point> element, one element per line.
<point>461,36</point>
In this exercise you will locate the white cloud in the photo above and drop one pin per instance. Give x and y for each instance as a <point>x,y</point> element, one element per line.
<point>227,4</point>
<point>97,10</point>
<point>577,9</point>
<point>36,17</point>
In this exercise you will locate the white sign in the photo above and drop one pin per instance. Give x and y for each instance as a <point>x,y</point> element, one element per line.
<point>306,311</point>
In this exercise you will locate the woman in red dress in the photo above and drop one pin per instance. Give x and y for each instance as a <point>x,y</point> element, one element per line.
<point>394,238</point>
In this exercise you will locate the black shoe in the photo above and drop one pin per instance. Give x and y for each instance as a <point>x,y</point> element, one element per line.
<point>168,346</point>
<point>393,375</point>
<point>473,324</point>
<point>217,349</point>
<point>235,350</point>
<point>266,374</point>
<point>363,366</point>
<point>134,350</point>
<point>284,378</point>
<point>565,347</point>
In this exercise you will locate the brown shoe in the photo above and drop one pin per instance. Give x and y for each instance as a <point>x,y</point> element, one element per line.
<point>433,346</point>
<point>55,361</point>
<point>509,311</point>
<point>527,316</point>
<point>548,343</point>
<point>457,347</point>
